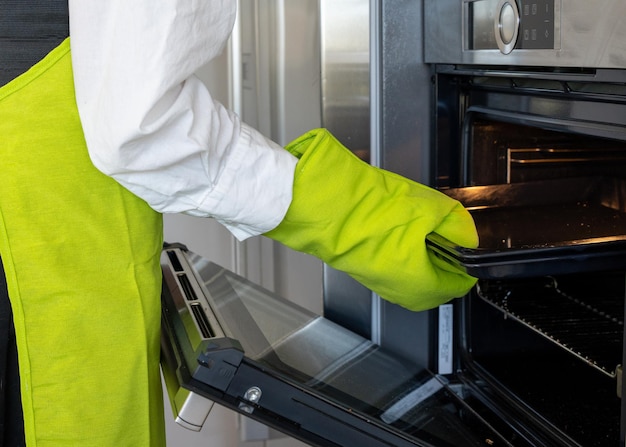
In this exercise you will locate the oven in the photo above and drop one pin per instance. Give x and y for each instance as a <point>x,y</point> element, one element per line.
<point>529,129</point>
<point>516,108</point>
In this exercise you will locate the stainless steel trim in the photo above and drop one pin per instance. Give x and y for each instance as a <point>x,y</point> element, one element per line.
<point>193,410</point>
<point>375,134</point>
<point>393,105</point>
<point>405,122</point>
<point>586,34</point>
<point>345,60</point>
<point>346,72</point>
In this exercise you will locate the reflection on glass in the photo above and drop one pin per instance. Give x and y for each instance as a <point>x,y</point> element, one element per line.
<point>345,368</point>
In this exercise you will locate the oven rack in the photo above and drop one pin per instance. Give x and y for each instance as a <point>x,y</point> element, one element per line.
<point>591,329</point>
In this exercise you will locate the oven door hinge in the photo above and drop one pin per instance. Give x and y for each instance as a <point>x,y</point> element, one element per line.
<point>218,362</point>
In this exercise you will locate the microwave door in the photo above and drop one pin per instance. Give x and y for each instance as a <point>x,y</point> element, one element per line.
<point>229,341</point>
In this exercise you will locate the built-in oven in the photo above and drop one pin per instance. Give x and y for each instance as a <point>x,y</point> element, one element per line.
<point>530,134</point>
<point>518,110</point>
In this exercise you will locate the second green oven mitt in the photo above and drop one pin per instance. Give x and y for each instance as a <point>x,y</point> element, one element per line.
<point>372,224</point>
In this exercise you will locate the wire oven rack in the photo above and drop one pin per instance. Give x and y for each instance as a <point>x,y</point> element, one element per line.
<point>591,328</point>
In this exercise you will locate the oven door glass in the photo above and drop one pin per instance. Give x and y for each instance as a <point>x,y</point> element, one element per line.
<point>230,341</point>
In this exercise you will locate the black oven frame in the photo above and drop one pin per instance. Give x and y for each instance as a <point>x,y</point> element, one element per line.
<point>552,100</point>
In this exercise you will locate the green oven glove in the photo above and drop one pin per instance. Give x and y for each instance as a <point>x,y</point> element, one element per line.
<point>372,224</point>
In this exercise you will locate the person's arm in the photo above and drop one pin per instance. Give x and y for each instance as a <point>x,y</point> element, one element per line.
<point>153,126</point>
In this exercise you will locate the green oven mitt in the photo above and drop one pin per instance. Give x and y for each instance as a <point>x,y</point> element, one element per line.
<point>372,224</point>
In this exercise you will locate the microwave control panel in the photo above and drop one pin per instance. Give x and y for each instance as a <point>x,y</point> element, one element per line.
<point>509,25</point>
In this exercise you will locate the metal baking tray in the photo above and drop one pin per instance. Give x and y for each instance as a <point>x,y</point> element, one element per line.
<point>541,228</point>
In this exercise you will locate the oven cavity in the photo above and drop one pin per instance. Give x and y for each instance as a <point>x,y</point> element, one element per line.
<point>552,347</point>
<point>538,156</point>
<point>585,320</point>
<point>503,152</point>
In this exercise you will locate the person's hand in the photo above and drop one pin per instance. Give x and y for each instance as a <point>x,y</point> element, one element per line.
<point>372,224</point>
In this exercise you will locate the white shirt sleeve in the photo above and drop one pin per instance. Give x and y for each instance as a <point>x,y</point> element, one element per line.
<point>153,126</point>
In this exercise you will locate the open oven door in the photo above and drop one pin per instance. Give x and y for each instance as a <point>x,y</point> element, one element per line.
<point>229,341</point>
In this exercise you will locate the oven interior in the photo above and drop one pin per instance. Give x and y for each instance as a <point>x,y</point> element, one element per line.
<point>550,347</point>
<point>543,350</point>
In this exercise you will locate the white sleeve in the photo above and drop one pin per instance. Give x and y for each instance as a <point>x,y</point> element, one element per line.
<point>153,126</point>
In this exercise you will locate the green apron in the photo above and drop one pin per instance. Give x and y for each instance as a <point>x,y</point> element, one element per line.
<point>81,256</point>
